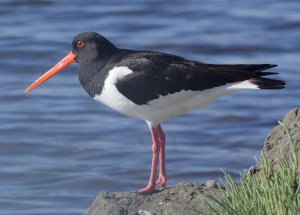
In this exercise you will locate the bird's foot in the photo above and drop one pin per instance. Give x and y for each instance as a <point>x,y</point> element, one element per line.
<point>150,188</point>
<point>161,181</point>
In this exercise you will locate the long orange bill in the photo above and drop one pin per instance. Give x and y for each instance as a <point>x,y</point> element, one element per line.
<point>66,61</point>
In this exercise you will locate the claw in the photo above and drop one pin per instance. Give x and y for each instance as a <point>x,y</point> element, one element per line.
<point>162,181</point>
<point>147,190</point>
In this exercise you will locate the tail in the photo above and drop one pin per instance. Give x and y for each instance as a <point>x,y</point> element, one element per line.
<point>267,83</point>
<point>258,81</point>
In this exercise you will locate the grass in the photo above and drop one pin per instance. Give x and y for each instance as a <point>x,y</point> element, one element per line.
<point>274,191</point>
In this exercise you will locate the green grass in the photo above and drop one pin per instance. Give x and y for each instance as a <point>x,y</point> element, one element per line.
<point>274,191</point>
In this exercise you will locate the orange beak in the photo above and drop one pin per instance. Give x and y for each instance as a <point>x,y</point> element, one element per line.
<point>66,61</point>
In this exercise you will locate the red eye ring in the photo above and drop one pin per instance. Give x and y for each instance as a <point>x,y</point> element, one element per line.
<point>80,44</point>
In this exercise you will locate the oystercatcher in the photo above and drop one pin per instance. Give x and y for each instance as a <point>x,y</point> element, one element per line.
<point>154,86</point>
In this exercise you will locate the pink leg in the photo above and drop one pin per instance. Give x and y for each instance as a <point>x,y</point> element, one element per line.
<point>162,178</point>
<point>155,152</point>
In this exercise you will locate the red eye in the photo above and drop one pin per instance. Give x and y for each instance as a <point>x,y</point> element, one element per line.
<point>80,44</point>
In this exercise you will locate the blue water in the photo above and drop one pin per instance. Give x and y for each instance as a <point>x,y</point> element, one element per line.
<point>59,148</point>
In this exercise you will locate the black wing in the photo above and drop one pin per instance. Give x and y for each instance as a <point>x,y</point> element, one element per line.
<point>157,74</point>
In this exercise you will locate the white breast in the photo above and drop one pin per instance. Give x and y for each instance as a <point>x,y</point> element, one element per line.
<point>110,95</point>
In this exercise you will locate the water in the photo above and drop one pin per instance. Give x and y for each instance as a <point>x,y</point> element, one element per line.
<point>59,148</point>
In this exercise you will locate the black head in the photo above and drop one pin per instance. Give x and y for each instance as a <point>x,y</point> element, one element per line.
<point>90,46</point>
<point>90,50</point>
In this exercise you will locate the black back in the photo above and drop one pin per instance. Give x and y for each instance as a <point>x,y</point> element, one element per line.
<point>158,74</point>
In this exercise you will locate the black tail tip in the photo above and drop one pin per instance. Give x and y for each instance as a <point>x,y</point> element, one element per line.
<point>267,83</point>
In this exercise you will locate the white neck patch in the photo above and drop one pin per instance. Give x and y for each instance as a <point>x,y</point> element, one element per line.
<point>110,95</point>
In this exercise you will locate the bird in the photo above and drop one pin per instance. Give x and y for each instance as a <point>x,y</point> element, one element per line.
<point>154,86</point>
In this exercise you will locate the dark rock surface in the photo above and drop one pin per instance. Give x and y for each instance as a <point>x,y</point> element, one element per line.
<point>183,198</point>
<point>278,139</point>
<point>179,199</point>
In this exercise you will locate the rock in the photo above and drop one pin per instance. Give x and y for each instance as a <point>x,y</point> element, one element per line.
<point>278,139</point>
<point>179,199</point>
<point>211,183</point>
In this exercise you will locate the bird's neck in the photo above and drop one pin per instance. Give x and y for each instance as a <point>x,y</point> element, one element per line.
<point>92,74</point>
